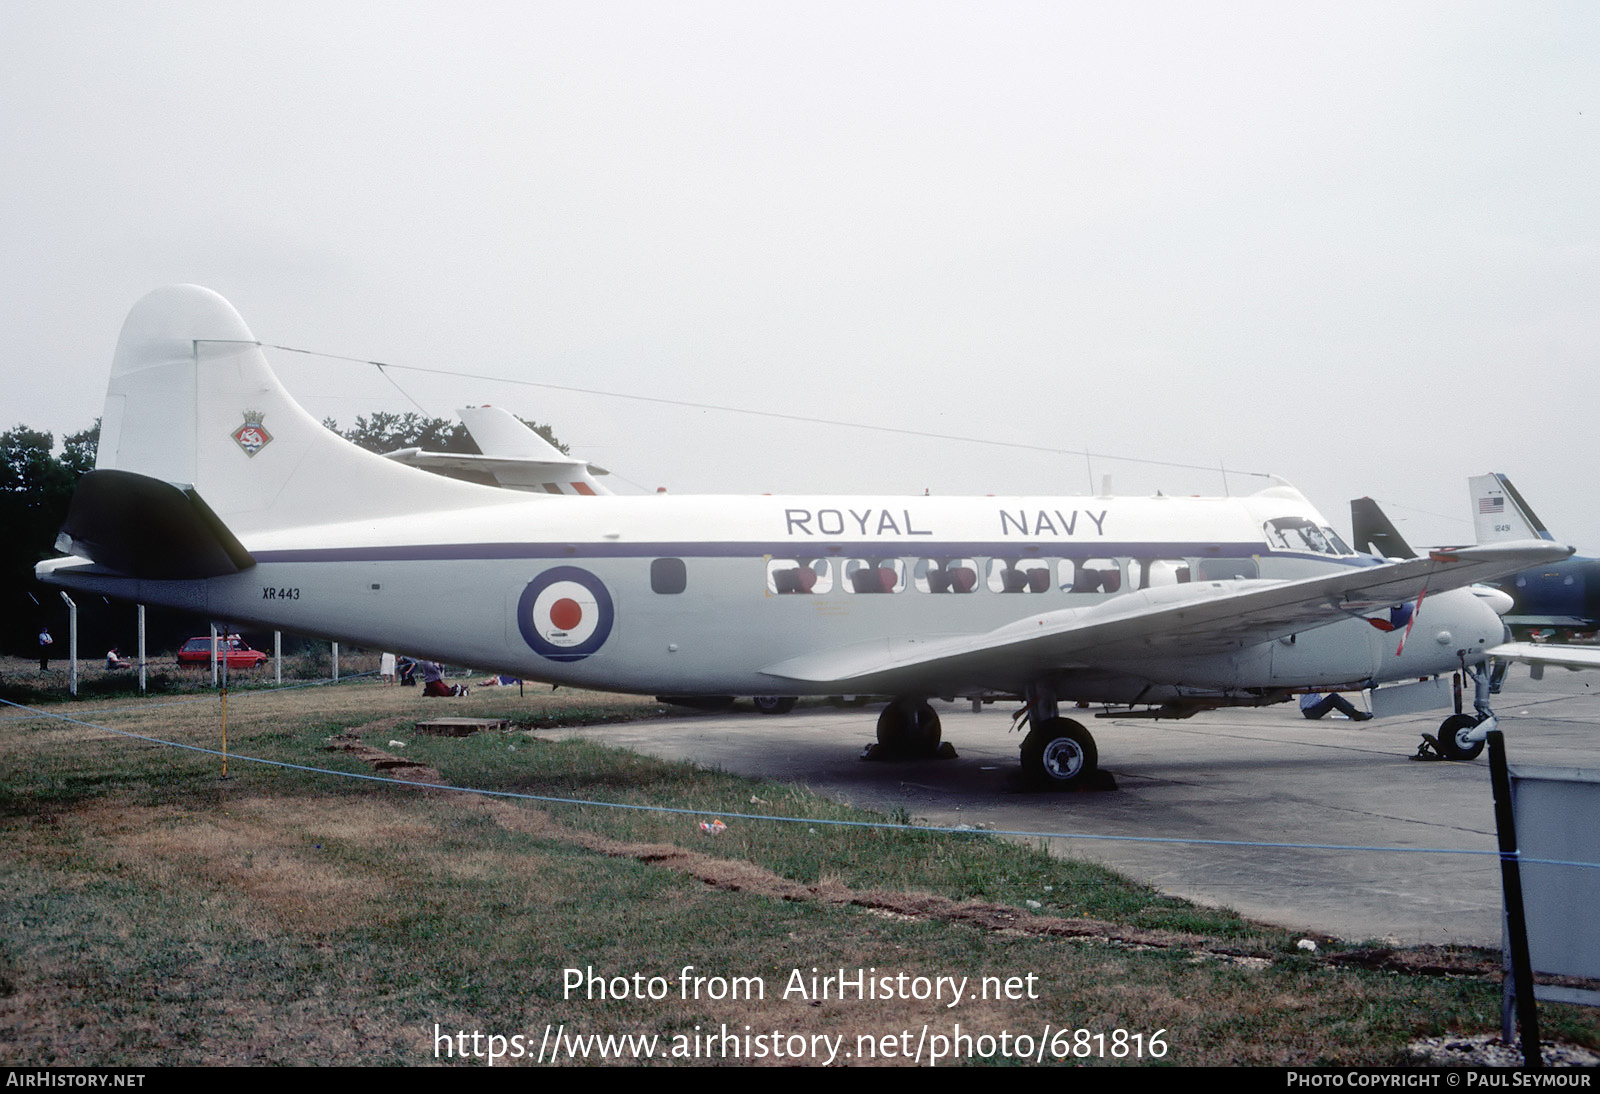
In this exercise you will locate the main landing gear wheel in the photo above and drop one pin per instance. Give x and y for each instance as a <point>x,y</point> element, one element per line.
<point>1453,742</point>
<point>1059,754</point>
<point>775,704</point>
<point>908,727</point>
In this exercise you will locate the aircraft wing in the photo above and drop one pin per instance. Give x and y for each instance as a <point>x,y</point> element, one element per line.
<point>1171,621</point>
<point>1544,653</point>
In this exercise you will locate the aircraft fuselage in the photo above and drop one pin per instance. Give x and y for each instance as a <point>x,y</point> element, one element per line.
<point>702,595</point>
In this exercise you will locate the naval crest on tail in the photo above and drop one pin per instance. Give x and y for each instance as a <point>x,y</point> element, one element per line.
<point>252,436</point>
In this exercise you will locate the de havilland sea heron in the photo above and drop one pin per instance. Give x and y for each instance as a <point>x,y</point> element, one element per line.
<point>215,492</point>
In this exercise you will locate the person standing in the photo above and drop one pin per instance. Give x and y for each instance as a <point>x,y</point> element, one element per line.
<point>45,642</point>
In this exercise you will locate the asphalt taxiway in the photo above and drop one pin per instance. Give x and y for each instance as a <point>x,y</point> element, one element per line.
<point>1240,777</point>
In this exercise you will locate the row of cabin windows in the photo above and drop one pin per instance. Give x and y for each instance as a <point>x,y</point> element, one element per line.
<point>966,575</point>
<point>1101,576</point>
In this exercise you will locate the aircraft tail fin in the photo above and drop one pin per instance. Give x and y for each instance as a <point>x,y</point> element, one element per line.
<point>193,401</point>
<point>1375,533</point>
<point>1499,512</point>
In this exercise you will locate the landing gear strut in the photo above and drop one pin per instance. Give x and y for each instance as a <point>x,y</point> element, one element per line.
<point>1057,753</point>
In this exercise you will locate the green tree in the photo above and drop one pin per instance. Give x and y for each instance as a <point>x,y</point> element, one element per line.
<point>35,490</point>
<point>384,431</point>
<point>79,450</point>
<point>30,475</point>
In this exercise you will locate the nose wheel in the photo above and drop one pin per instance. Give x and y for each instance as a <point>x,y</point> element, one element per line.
<point>1460,737</point>
<point>1455,741</point>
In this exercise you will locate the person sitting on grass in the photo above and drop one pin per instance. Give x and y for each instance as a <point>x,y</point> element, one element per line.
<point>433,681</point>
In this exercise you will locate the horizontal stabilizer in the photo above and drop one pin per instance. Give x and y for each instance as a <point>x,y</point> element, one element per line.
<point>147,528</point>
<point>556,475</point>
<point>514,457</point>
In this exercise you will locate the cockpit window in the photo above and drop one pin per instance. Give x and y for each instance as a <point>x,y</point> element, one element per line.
<point>1299,534</point>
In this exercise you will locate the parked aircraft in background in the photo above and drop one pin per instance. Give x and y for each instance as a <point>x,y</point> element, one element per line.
<point>214,492</point>
<point>512,456</point>
<point>1375,533</point>
<point>1561,596</point>
<point>1540,655</point>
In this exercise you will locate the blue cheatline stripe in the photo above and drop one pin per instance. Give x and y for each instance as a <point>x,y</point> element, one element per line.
<point>788,548</point>
<point>814,821</point>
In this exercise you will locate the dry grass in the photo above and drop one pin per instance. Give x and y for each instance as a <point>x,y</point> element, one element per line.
<point>152,913</point>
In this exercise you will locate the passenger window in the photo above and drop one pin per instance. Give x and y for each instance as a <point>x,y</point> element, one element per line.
<point>1098,575</point>
<point>945,575</point>
<point>1226,569</point>
<point>874,575</point>
<point>1011,575</point>
<point>1148,572</point>
<point>799,575</point>
<point>1064,574</point>
<point>667,575</point>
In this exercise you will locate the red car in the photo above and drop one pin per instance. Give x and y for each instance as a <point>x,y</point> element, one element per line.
<point>239,655</point>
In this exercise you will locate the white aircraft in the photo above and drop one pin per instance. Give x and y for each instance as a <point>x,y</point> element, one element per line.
<point>214,492</point>
<point>513,456</point>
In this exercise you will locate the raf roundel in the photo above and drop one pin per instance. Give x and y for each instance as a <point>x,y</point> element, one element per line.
<point>565,614</point>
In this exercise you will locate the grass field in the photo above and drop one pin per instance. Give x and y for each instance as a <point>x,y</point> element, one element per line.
<point>153,912</point>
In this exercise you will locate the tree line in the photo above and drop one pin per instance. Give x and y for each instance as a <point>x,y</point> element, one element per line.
<point>36,485</point>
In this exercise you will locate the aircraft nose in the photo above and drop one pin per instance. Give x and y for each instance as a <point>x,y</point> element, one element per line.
<point>1501,602</point>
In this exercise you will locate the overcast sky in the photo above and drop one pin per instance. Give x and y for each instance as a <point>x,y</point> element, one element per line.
<point>1352,244</point>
